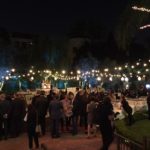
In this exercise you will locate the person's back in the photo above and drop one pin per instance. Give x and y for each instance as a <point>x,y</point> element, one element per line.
<point>31,117</point>
<point>41,105</point>
<point>55,109</point>
<point>126,106</point>
<point>106,110</point>
<point>106,124</point>
<point>31,126</point>
<point>91,106</point>
<point>5,107</point>
<point>128,109</point>
<point>16,107</point>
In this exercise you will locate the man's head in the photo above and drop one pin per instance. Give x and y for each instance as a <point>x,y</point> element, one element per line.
<point>77,89</point>
<point>123,98</point>
<point>2,96</point>
<point>70,96</point>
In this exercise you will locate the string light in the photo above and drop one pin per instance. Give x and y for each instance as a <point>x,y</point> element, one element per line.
<point>139,78</point>
<point>78,72</point>
<point>132,67</point>
<point>106,69</point>
<point>108,73</point>
<point>120,68</point>
<point>13,70</point>
<point>98,78</point>
<point>144,65</point>
<point>141,9</point>
<point>63,72</point>
<point>126,79</point>
<point>122,78</point>
<point>7,78</point>
<point>144,27</point>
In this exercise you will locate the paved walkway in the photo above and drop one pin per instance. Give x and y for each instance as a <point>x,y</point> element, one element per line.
<point>66,142</point>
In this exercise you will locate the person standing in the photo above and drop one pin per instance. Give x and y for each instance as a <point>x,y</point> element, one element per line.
<point>91,106</point>
<point>4,114</point>
<point>55,111</point>
<point>67,109</point>
<point>148,104</point>
<point>17,114</point>
<point>31,126</point>
<point>127,108</point>
<point>106,123</point>
<point>77,111</point>
<point>41,107</point>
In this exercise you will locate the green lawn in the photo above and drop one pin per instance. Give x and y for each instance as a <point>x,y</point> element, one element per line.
<point>137,131</point>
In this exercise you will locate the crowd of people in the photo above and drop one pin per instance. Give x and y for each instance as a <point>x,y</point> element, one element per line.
<point>85,110</point>
<point>12,112</point>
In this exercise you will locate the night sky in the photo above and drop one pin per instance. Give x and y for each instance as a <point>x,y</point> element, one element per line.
<point>56,17</point>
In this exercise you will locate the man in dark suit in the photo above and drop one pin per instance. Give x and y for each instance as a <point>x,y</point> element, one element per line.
<point>17,115</point>
<point>55,110</point>
<point>41,107</point>
<point>5,107</point>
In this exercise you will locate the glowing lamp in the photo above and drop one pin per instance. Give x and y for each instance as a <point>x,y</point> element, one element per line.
<point>78,72</point>
<point>63,72</point>
<point>98,78</point>
<point>122,79</point>
<point>139,78</point>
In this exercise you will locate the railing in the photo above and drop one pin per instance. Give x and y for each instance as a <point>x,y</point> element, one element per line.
<point>127,144</point>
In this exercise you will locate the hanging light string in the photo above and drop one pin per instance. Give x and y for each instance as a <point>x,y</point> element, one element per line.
<point>144,27</point>
<point>141,9</point>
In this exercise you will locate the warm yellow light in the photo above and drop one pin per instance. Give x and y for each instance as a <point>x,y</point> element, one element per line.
<point>98,78</point>
<point>147,70</point>
<point>30,71</point>
<point>63,71</point>
<point>78,72</point>
<point>13,70</point>
<point>120,68</point>
<point>144,65</point>
<point>126,79</point>
<point>138,72</point>
<point>7,78</point>
<point>122,79</point>
<point>141,9</point>
<point>132,67</point>
<point>106,69</point>
<point>32,78</point>
<point>139,78</point>
<point>145,26</point>
<point>110,78</point>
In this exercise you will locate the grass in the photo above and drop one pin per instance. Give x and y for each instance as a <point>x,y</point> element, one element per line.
<point>137,131</point>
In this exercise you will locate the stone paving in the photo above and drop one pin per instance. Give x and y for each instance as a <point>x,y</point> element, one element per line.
<point>66,142</point>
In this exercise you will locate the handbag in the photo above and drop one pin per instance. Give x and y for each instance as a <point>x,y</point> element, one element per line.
<point>38,129</point>
<point>25,118</point>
